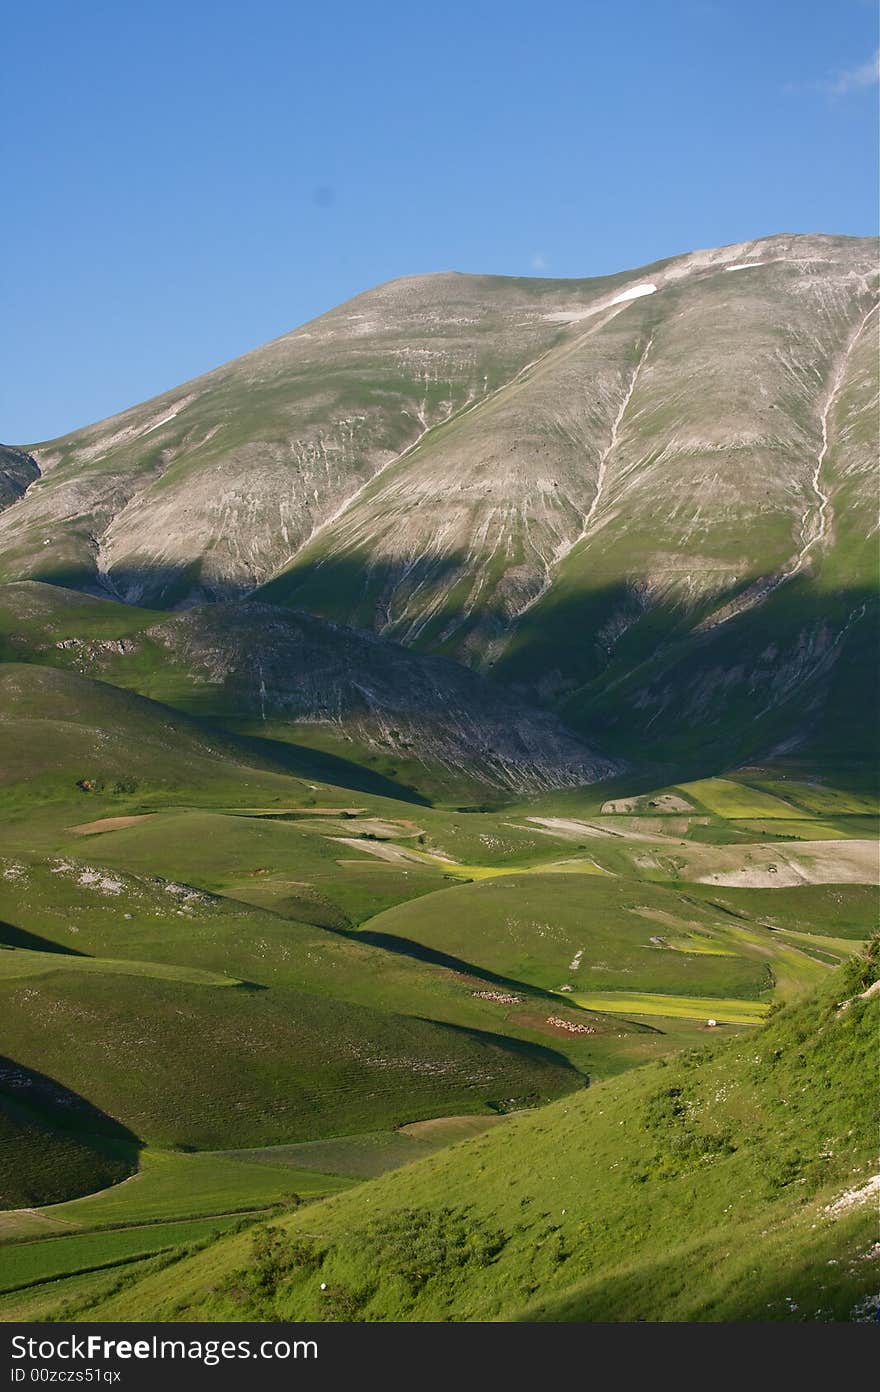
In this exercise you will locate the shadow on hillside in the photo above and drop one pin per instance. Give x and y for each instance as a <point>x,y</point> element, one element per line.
<point>793,678</point>
<point>149,587</point>
<point>689,1285</point>
<point>347,590</point>
<point>30,1099</point>
<point>635,675</point>
<point>406,947</point>
<point>306,763</point>
<point>508,1043</point>
<point>11,936</point>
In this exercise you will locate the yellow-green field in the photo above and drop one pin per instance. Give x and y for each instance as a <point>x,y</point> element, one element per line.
<point>780,825</point>
<point>729,799</point>
<point>637,1003</point>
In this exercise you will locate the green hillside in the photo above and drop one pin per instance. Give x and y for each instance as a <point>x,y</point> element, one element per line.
<point>733,1186</point>
<point>64,735</point>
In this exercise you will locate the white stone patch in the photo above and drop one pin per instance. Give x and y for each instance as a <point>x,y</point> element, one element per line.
<point>105,884</point>
<point>572,316</point>
<point>854,1198</point>
<point>569,316</point>
<point>164,421</point>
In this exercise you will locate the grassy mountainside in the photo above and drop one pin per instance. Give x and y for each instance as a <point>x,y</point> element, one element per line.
<point>54,1144</point>
<point>208,489</point>
<point>586,932</point>
<point>210,952</point>
<point>60,732</point>
<point>208,1065</point>
<point>733,1186</point>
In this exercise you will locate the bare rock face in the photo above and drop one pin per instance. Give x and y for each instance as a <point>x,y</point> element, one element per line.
<point>17,472</point>
<point>206,491</point>
<point>463,436</point>
<point>275,663</point>
<point>666,447</point>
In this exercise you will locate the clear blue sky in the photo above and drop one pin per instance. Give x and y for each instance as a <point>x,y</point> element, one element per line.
<point>184,181</point>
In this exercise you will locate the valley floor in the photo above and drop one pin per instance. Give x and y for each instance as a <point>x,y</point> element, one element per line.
<point>236,998</point>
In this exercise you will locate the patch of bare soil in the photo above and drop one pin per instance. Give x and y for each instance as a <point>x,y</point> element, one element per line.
<point>663,802</point>
<point>382,850</point>
<point>780,864</point>
<point>570,828</point>
<point>377,828</point>
<point>301,811</point>
<point>670,802</point>
<point>458,1126</point>
<point>109,824</point>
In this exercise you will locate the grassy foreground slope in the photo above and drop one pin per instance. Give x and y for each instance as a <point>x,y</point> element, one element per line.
<point>727,1186</point>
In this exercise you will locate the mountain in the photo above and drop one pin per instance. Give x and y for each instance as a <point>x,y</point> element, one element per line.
<point>438,830</point>
<point>643,500</point>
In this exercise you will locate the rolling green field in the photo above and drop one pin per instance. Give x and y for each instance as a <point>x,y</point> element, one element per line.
<point>172,1184</point>
<point>638,1003</point>
<point>31,1262</point>
<point>565,930</point>
<point>742,1190</point>
<point>727,798</point>
<point>232,983</point>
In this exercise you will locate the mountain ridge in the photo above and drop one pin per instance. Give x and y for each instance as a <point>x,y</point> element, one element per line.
<point>121,430</point>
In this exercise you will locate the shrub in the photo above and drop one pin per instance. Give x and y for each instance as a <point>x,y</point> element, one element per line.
<point>276,1257</point>
<point>416,1244</point>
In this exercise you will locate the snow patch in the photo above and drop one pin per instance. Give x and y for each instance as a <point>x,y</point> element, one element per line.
<point>744,265</point>
<point>634,293</point>
<point>163,421</point>
<point>572,316</point>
